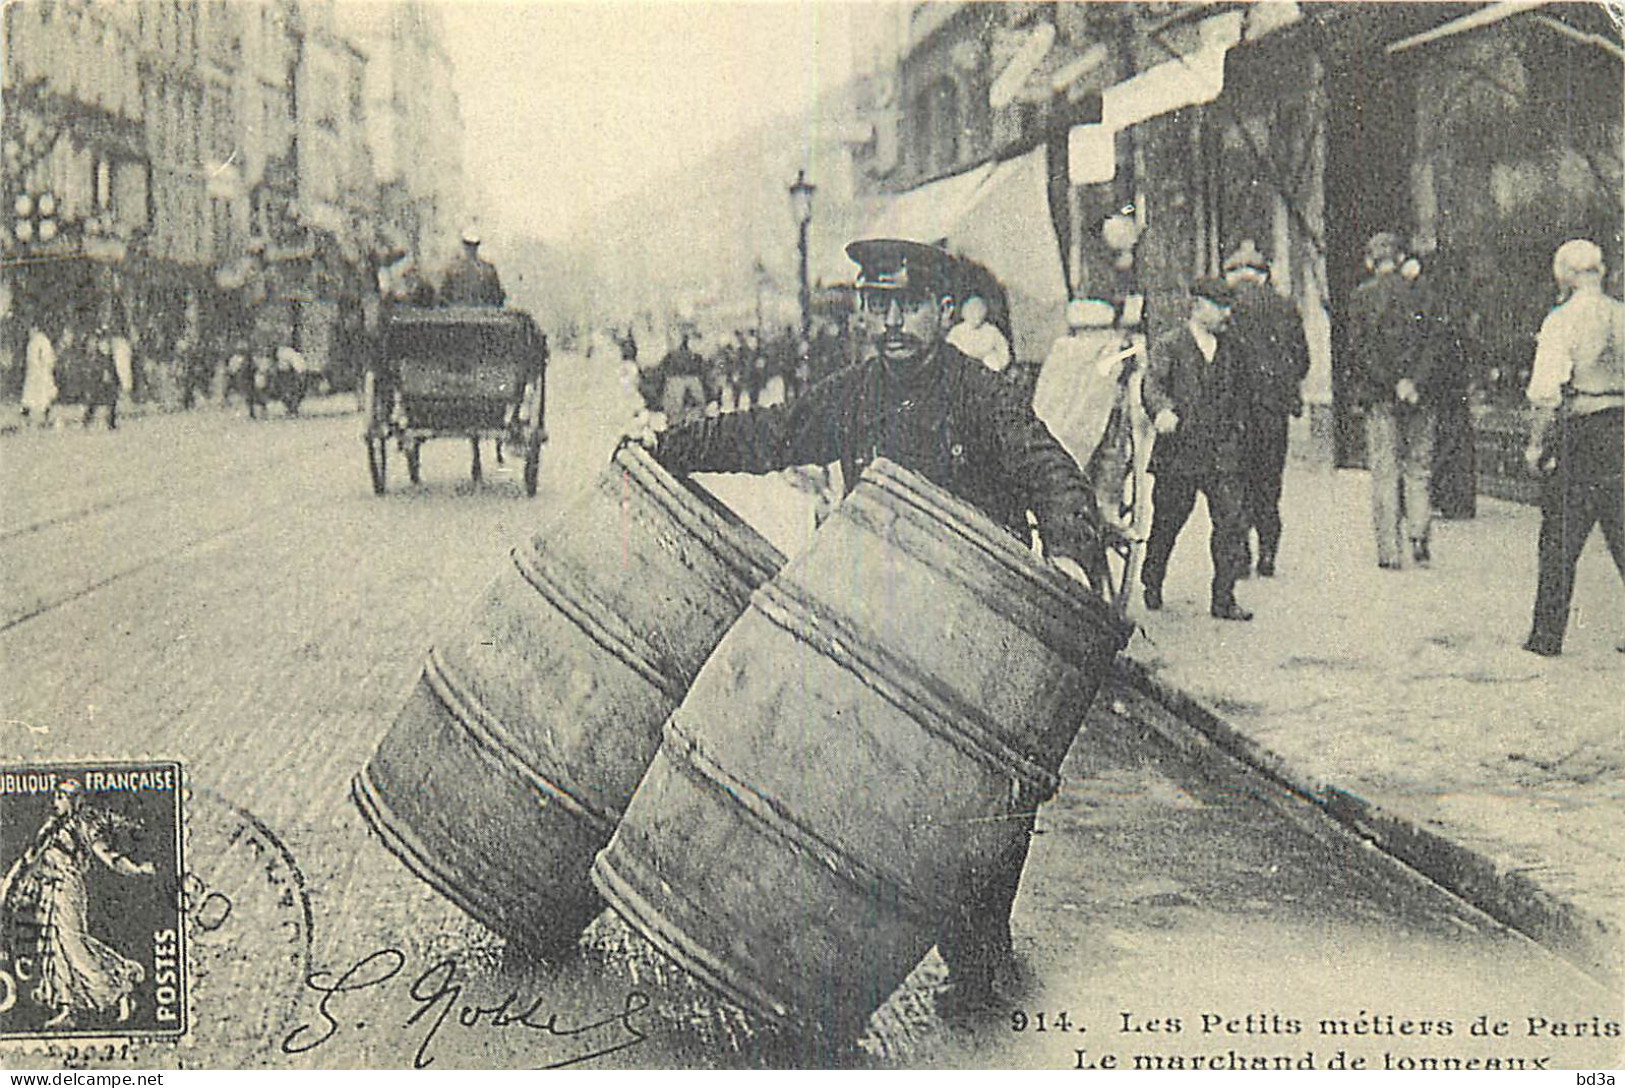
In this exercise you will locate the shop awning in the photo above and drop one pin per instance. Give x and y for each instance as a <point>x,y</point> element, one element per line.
<point>930,212</point>
<point>997,215</point>
<point>1489,13</point>
<point>1190,80</point>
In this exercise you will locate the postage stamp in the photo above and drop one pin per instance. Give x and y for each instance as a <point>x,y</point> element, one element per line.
<point>91,937</point>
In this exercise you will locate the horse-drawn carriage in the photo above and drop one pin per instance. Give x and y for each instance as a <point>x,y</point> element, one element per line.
<point>456,372</point>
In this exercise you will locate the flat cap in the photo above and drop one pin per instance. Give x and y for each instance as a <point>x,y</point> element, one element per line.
<point>896,264</point>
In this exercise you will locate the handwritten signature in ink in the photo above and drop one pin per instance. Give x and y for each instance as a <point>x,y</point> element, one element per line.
<point>437,995</point>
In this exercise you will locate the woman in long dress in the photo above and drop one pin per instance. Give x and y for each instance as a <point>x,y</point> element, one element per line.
<point>45,909</point>
<point>39,377</point>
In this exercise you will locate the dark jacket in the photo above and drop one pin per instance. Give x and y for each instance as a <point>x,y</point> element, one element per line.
<point>1385,339</point>
<point>471,282</point>
<point>1436,341</point>
<point>1268,332</point>
<point>950,419</point>
<point>1210,399</point>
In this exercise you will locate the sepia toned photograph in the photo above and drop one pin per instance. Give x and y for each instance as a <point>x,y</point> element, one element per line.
<point>546,534</point>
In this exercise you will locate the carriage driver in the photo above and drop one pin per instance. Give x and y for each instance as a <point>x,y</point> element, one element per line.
<point>471,280</point>
<point>921,402</point>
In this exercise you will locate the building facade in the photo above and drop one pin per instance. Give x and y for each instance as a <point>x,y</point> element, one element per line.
<point>194,170</point>
<point>1484,134</point>
<point>414,129</point>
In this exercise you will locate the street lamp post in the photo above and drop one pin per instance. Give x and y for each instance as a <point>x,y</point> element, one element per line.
<point>759,271</point>
<point>801,198</point>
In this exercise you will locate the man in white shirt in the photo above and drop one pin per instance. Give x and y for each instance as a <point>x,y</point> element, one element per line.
<point>978,339</point>
<point>1577,437</point>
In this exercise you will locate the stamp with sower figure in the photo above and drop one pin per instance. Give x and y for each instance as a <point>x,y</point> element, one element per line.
<point>91,936</point>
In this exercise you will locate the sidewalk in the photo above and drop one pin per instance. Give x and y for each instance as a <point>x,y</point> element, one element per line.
<point>68,418</point>
<point>1403,704</point>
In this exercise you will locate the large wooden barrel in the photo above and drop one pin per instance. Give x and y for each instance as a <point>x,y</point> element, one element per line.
<point>855,753</point>
<point>533,722</point>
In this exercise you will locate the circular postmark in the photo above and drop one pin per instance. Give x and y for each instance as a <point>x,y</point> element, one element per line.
<point>249,927</point>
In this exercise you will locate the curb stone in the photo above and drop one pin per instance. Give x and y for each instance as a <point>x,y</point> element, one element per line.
<point>1504,894</point>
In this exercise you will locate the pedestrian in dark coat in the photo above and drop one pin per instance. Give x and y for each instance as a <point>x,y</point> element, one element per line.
<point>1267,332</point>
<point>752,371</point>
<point>101,379</point>
<point>924,404</point>
<point>197,371</point>
<point>1390,369</point>
<point>1453,486</point>
<point>681,392</point>
<point>1197,396</point>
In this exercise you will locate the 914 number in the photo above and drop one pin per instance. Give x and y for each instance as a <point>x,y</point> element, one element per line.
<point>1038,1021</point>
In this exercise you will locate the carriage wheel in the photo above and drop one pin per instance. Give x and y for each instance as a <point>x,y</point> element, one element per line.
<point>414,461</point>
<point>377,462</point>
<point>474,469</point>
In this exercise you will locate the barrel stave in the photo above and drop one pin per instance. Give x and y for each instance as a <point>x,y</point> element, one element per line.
<point>800,943</point>
<point>447,805</point>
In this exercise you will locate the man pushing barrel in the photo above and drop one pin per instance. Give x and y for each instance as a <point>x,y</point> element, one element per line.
<point>919,401</point>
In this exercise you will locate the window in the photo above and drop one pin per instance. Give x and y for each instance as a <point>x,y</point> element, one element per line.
<point>221,124</point>
<point>186,36</point>
<point>219,213</point>
<point>130,193</point>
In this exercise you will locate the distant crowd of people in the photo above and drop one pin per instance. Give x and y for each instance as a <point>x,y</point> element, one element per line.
<point>87,370</point>
<point>90,370</point>
<point>65,369</point>
<point>705,375</point>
